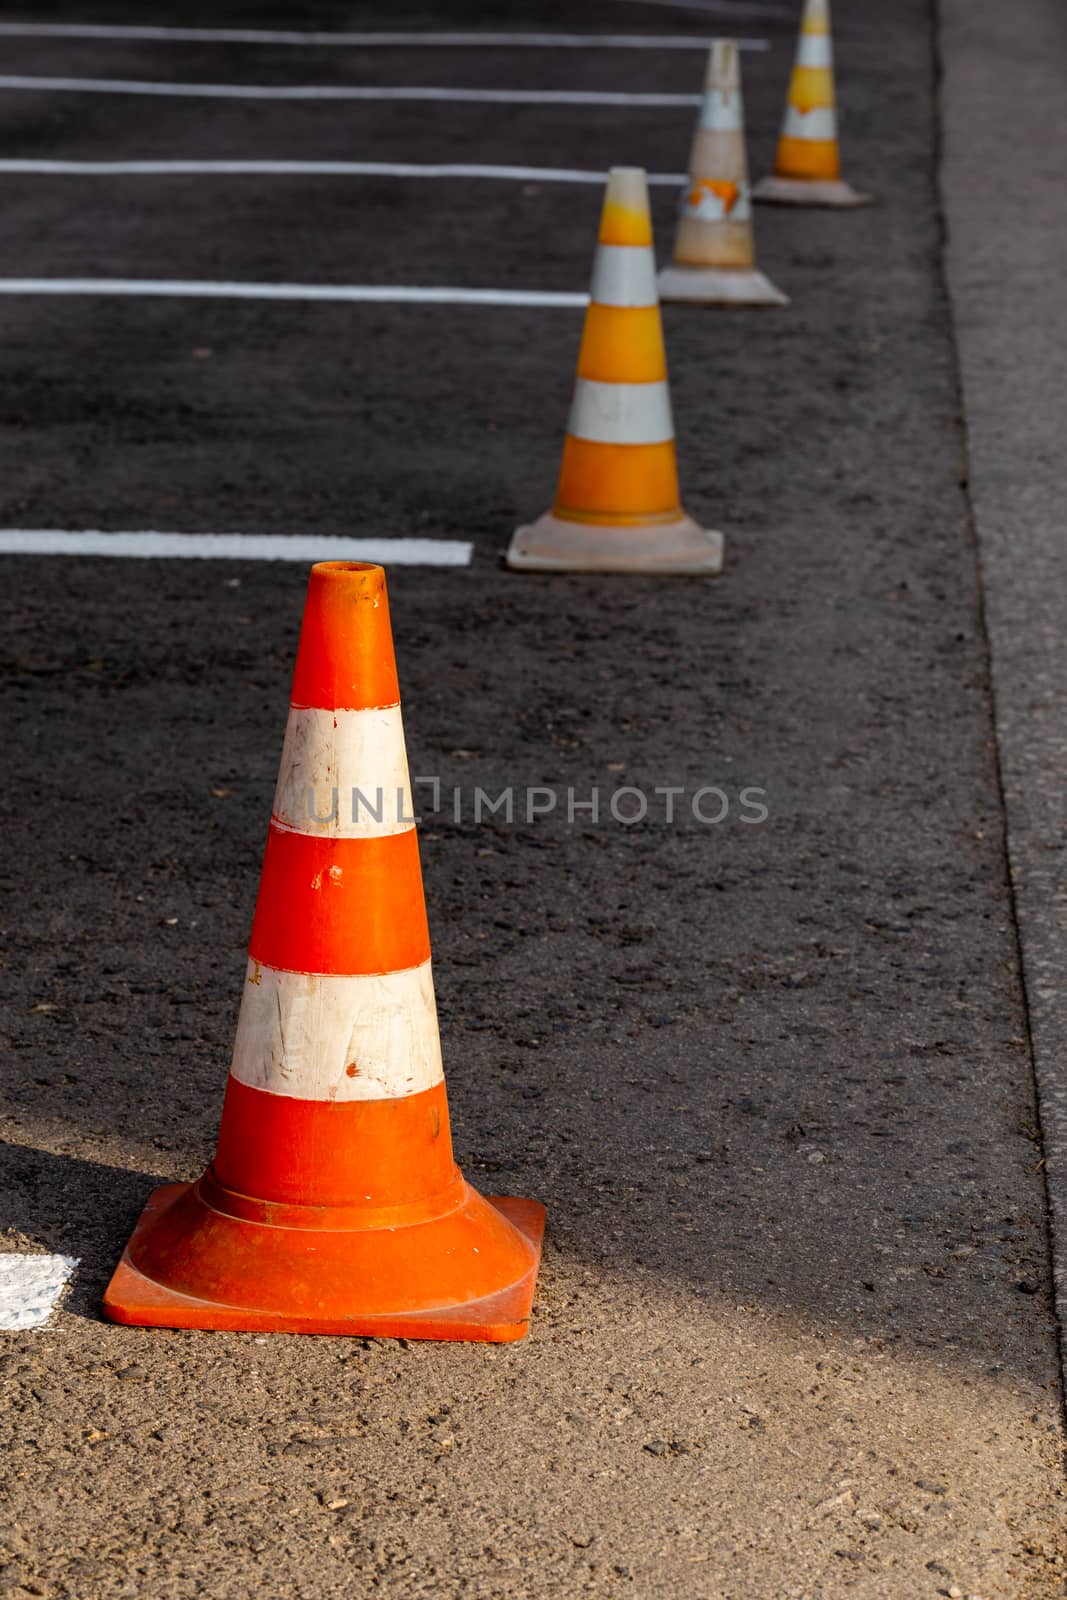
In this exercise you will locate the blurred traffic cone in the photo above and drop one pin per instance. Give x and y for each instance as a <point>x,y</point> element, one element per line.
<point>333,1204</point>
<point>807,170</point>
<point>617,504</point>
<point>714,252</point>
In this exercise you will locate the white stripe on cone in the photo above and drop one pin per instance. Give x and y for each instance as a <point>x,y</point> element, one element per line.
<point>818,123</point>
<point>621,413</point>
<point>317,1037</point>
<point>721,113</point>
<point>815,50</point>
<point>624,275</point>
<point>344,774</point>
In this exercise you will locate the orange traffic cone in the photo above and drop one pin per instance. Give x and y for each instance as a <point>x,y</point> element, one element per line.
<point>333,1204</point>
<point>807,170</point>
<point>714,252</point>
<point>617,505</point>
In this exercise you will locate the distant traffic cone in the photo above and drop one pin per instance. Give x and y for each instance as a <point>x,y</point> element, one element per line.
<point>714,251</point>
<point>807,170</point>
<point>617,506</point>
<point>333,1204</point>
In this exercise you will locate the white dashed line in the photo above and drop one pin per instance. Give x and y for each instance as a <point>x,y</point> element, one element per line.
<point>725,8</point>
<point>228,547</point>
<point>30,1287</point>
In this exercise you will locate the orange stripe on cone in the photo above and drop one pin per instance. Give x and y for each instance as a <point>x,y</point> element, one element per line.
<point>300,1152</point>
<point>814,159</point>
<point>622,345</point>
<point>334,1204</point>
<point>340,905</point>
<point>617,506</point>
<point>614,485</point>
<point>625,217</point>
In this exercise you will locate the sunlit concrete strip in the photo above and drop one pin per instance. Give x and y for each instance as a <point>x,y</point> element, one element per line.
<point>235,547</point>
<point>316,169</point>
<point>344,91</point>
<point>1003,70</point>
<point>407,40</point>
<point>30,1287</point>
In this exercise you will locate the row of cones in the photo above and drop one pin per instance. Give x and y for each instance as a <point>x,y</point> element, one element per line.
<point>334,1204</point>
<point>618,506</point>
<point>714,250</point>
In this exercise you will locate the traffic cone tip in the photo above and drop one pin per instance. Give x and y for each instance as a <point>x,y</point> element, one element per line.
<point>626,217</point>
<point>345,655</point>
<point>815,17</point>
<point>722,69</point>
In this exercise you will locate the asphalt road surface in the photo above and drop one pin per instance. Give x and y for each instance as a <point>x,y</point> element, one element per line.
<point>794,1334</point>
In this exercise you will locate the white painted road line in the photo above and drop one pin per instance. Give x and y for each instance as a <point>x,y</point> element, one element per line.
<point>30,1287</point>
<point>313,169</point>
<point>403,92</point>
<point>724,8</point>
<point>509,41</point>
<point>344,293</point>
<point>233,547</point>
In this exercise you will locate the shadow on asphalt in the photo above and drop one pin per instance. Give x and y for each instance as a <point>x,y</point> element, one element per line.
<point>665,1156</point>
<point>71,1207</point>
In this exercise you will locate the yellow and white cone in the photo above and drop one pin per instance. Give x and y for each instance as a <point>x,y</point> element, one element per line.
<point>617,506</point>
<point>714,250</point>
<point>807,169</point>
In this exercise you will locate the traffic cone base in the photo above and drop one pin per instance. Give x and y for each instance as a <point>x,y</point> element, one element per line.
<point>558,544</point>
<point>808,192</point>
<point>719,286</point>
<point>238,1264</point>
